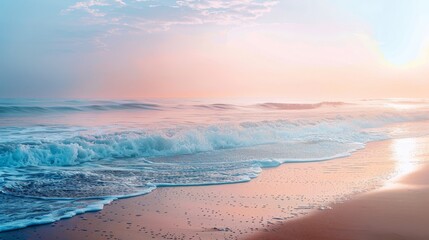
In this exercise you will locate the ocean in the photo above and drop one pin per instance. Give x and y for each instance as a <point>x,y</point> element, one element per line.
<point>59,158</point>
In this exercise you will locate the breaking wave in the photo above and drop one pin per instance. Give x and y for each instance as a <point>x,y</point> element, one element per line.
<point>189,140</point>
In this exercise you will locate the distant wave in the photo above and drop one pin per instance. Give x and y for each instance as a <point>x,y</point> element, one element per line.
<point>272,105</point>
<point>299,106</point>
<point>9,108</point>
<point>78,108</point>
<point>216,106</point>
<point>411,102</point>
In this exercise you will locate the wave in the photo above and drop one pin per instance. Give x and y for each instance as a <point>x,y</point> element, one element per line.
<point>216,106</point>
<point>273,106</point>
<point>299,106</point>
<point>62,192</point>
<point>40,107</point>
<point>11,109</point>
<point>148,143</point>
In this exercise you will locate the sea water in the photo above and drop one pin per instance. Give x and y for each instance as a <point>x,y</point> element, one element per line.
<point>59,158</point>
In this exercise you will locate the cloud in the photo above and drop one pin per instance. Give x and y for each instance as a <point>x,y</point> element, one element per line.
<point>113,17</point>
<point>183,12</point>
<point>228,12</point>
<point>89,6</point>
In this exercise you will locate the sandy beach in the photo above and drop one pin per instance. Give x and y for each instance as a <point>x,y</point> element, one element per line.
<point>398,211</point>
<point>267,206</point>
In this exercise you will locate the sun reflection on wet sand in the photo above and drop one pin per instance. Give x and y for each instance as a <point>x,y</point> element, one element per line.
<point>405,155</point>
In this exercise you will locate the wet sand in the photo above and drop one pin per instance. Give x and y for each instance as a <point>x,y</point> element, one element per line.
<point>397,211</point>
<point>237,211</point>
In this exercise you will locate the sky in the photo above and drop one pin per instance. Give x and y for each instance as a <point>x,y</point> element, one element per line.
<point>298,49</point>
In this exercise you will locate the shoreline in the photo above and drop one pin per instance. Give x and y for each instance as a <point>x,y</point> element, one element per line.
<point>99,206</point>
<point>395,211</point>
<point>231,211</point>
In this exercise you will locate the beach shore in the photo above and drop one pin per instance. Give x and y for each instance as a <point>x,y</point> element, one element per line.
<point>292,201</point>
<point>397,211</point>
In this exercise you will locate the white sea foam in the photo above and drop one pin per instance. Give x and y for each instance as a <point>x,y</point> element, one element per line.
<point>187,140</point>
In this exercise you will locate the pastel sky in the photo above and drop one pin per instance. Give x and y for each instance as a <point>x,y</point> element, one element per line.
<point>327,49</point>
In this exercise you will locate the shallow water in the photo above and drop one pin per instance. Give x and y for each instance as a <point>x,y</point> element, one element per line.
<point>61,158</point>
